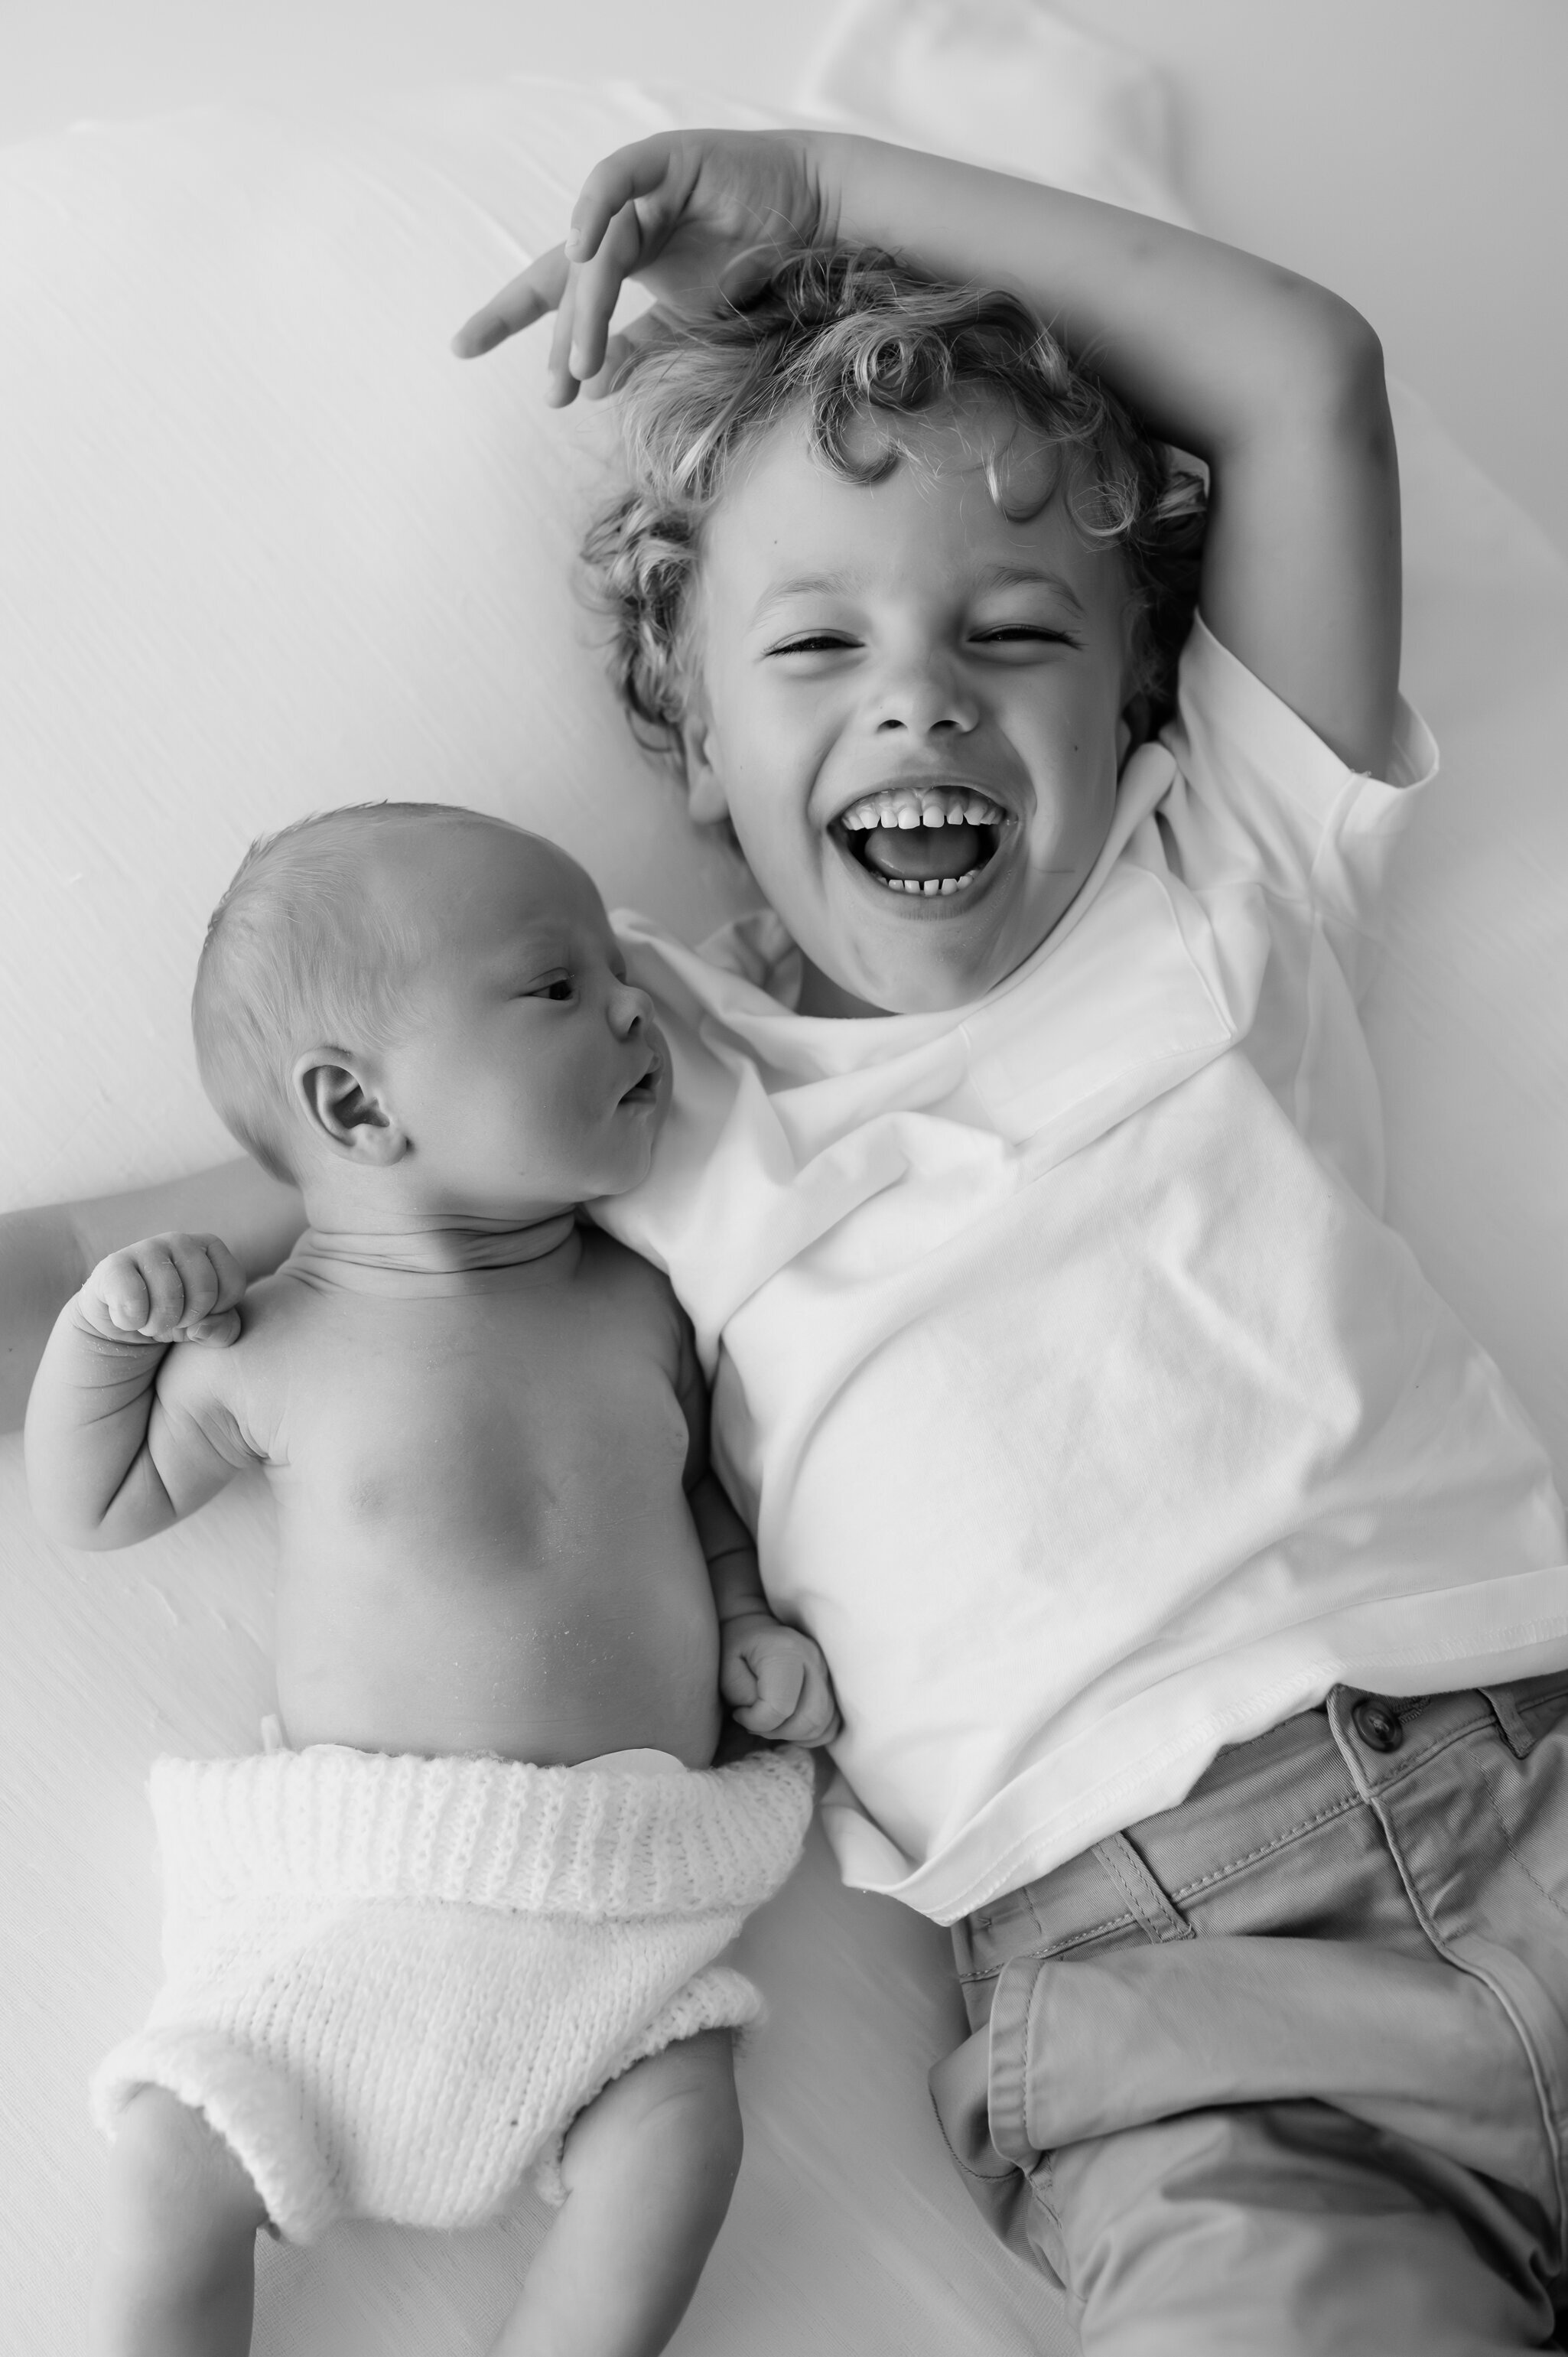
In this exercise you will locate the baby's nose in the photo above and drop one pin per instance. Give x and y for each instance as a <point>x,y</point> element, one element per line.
<point>630,1009</point>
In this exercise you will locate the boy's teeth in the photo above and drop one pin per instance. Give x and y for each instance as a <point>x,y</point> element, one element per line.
<point>943,884</point>
<point>911,806</point>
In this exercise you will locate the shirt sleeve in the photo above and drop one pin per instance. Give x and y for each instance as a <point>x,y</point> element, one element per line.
<point>1261,798</point>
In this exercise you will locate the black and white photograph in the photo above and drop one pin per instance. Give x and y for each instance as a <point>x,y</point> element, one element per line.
<point>784,1178</point>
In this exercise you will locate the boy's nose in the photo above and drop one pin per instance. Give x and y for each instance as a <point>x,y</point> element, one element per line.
<point>928,697</point>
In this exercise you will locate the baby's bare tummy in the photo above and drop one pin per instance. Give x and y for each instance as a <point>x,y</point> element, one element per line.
<point>555,1660</point>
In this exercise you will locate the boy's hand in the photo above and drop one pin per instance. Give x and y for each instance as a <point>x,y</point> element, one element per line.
<point>699,216</point>
<point>775,1680</point>
<point>174,1288</point>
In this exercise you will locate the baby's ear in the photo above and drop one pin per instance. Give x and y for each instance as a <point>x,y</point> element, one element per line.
<point>343,1108</point>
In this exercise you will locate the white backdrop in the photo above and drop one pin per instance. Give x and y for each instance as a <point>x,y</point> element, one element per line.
<point>1408,152</point>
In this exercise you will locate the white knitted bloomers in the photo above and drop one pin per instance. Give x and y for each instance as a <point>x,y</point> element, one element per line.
<point>393,1982</point>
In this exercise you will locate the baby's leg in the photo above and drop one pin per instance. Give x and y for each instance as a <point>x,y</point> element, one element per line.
<point>649,2167</point>
<point>181,2274</point>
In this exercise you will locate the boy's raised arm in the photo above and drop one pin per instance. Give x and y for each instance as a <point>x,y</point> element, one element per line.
<point>45,1253</point>
<point>1275,384</point>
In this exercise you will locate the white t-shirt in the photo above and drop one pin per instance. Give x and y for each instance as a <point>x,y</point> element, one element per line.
<point>1087,1413</point>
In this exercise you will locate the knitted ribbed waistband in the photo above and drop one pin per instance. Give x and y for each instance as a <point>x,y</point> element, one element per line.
<point>595,1841</point>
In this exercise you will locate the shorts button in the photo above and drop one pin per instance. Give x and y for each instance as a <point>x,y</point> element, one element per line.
<point>1378,1724</point>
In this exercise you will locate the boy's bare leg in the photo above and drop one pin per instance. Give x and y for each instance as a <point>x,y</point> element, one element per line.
<point>179,2279</point>
<point>45,1253</point>
<point>650,2168</point>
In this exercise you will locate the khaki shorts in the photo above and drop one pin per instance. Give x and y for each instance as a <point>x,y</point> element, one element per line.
<point>1285,2069</point>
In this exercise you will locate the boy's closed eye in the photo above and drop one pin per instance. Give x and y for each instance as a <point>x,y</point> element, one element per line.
<point>1024,634</point>
<point>816,643</point>
<point>1000,634</point>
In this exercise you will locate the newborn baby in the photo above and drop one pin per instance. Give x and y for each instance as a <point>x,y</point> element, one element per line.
<point>468,1904</point>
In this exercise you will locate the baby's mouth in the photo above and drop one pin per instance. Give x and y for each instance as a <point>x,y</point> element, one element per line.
<point>645,1091</point>
<point>935,840</point>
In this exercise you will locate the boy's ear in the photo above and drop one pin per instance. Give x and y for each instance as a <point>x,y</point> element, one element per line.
<point>342,1106</point>
<point>1135,727</point>
<point>706,798</point>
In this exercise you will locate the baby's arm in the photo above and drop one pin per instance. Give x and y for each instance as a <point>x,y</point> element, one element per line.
<point>122,1437</point>
<point>46,1253</point>
<point>1277,384</point>
<point>772,1677</point>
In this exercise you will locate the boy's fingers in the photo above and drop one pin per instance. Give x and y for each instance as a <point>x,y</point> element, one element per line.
<point>596,290</point>
<point>623,348</point>
<point>599,388</point>
<point>644,329</point>
<point>615,181</point>
<point>563,384</point>
<point>524,299</point>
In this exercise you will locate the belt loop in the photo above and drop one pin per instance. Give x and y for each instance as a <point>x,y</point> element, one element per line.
<point>1159,1916</point>
<point>1511,1720</point>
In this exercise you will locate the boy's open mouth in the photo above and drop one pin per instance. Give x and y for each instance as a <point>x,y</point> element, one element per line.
<point>935,840</point>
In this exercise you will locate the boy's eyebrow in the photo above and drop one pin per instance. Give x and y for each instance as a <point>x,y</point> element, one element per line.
<point>990,576</point>
<point>803,584</point>
<point>1029,576</point>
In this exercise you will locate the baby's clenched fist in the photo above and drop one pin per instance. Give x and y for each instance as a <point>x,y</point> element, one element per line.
<point>775,1680</point>
<point>173,1288</point>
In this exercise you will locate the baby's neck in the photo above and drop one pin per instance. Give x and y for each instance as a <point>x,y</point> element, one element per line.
<point>438,1252</point>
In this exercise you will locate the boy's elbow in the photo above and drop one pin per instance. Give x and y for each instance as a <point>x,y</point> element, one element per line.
<point>1319,357</point>
<point>1359,376</point>
<point>1340,373</point>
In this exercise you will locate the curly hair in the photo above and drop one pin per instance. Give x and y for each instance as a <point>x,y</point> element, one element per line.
<point>840,336</point>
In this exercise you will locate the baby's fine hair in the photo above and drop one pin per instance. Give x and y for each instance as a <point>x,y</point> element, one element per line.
<point>301,951</point>
<point>841,337</point>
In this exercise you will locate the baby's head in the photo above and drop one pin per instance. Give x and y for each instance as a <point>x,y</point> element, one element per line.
<point>897,584</point>
<point>419,1007</point>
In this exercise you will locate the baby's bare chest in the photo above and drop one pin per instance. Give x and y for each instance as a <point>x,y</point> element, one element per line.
<point>541,1417</point>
